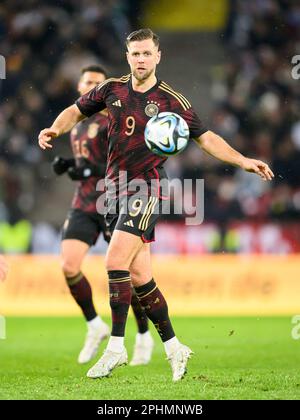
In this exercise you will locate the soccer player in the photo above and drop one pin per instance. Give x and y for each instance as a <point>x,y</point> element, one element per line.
<point>3,268</point>
<point>131,101</point>
<point>84,224</point>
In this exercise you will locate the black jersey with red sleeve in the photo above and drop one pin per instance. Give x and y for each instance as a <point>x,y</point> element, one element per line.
<point>128,113</point>
<point>89,145</point>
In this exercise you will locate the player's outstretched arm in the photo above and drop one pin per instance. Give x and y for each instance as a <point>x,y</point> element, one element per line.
<point>217,147</point>
<point>3,268</point>
<point>63,123</point>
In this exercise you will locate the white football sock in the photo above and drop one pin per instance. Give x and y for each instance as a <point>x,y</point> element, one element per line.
<point>171,345</point>
<point>143,337</point>
<point>115,344</point>
<point>95,322</point>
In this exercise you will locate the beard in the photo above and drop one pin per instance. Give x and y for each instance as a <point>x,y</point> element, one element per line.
<point>144,76</point>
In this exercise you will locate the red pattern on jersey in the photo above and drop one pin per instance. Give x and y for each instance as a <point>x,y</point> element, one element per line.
<point>89,144</point>
<point>127,150</point>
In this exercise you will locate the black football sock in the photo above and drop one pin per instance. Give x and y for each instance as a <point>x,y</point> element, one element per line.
<point>139,313</point>
<point>156,308</point>
<point>119,299</point>
<point>82,293</point>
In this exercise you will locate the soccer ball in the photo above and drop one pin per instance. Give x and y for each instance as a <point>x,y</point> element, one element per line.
<point>167,134</point>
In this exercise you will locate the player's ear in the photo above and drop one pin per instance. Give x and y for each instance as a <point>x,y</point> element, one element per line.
<point>158,57</point>
<point>127,56</point>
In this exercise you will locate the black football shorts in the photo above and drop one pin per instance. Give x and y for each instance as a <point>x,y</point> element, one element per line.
<point>137,215</point>
<point>85,227</point>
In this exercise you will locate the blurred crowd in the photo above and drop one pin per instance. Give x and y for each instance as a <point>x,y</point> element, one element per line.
<point>45,45</point>
<point>257,102</point>
<point>257,109</point>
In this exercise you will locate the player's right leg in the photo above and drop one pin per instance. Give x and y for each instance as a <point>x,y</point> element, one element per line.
<point>73,251</point>
<point>122,248</point>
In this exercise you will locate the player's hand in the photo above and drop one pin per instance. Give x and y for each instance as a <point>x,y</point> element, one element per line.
<point>80,173</point>
<point>61,165</point>
<point>46,136</point>
<point>3,268</point>
<point>258,167</point>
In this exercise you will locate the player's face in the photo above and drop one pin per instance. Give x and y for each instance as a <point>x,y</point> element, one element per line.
<point>89,80</point>
<point>143,57</point>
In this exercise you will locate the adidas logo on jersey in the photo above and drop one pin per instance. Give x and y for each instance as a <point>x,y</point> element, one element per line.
<point>117,103</point>
<point>129,223</point>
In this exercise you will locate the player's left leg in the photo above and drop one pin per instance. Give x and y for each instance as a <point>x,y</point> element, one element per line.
<point>144,343</point>
<point>156,308</point>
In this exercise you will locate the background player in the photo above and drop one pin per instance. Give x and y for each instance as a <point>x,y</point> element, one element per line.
<point>84,224</point>
<point>128,256</point>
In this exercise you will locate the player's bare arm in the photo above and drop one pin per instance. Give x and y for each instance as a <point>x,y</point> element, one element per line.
<point>63,124</point>
<point>217,147</point>
<point>3,268</point>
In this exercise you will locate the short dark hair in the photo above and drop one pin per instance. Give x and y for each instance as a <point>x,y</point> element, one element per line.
<point>141,35</point>
<point>95,68</point>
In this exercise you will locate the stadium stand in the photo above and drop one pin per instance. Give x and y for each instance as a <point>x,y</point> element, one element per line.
<point>254,101</point>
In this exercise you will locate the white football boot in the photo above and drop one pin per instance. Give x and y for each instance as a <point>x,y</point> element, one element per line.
<point>143,348</point>
<point>94,337</point>
<point>178,360</point>
<point>107,362</point>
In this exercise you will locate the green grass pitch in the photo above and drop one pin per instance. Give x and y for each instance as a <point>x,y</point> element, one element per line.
<point>235,358</point>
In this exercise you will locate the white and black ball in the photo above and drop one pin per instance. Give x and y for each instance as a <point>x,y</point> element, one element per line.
<point>167,134</point>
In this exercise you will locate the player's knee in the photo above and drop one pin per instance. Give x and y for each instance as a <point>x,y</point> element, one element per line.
<point>140,274</point>
<point>70,267</point>
<point>114,262</point>
<point>136,275</point>
<point>108,263</point>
